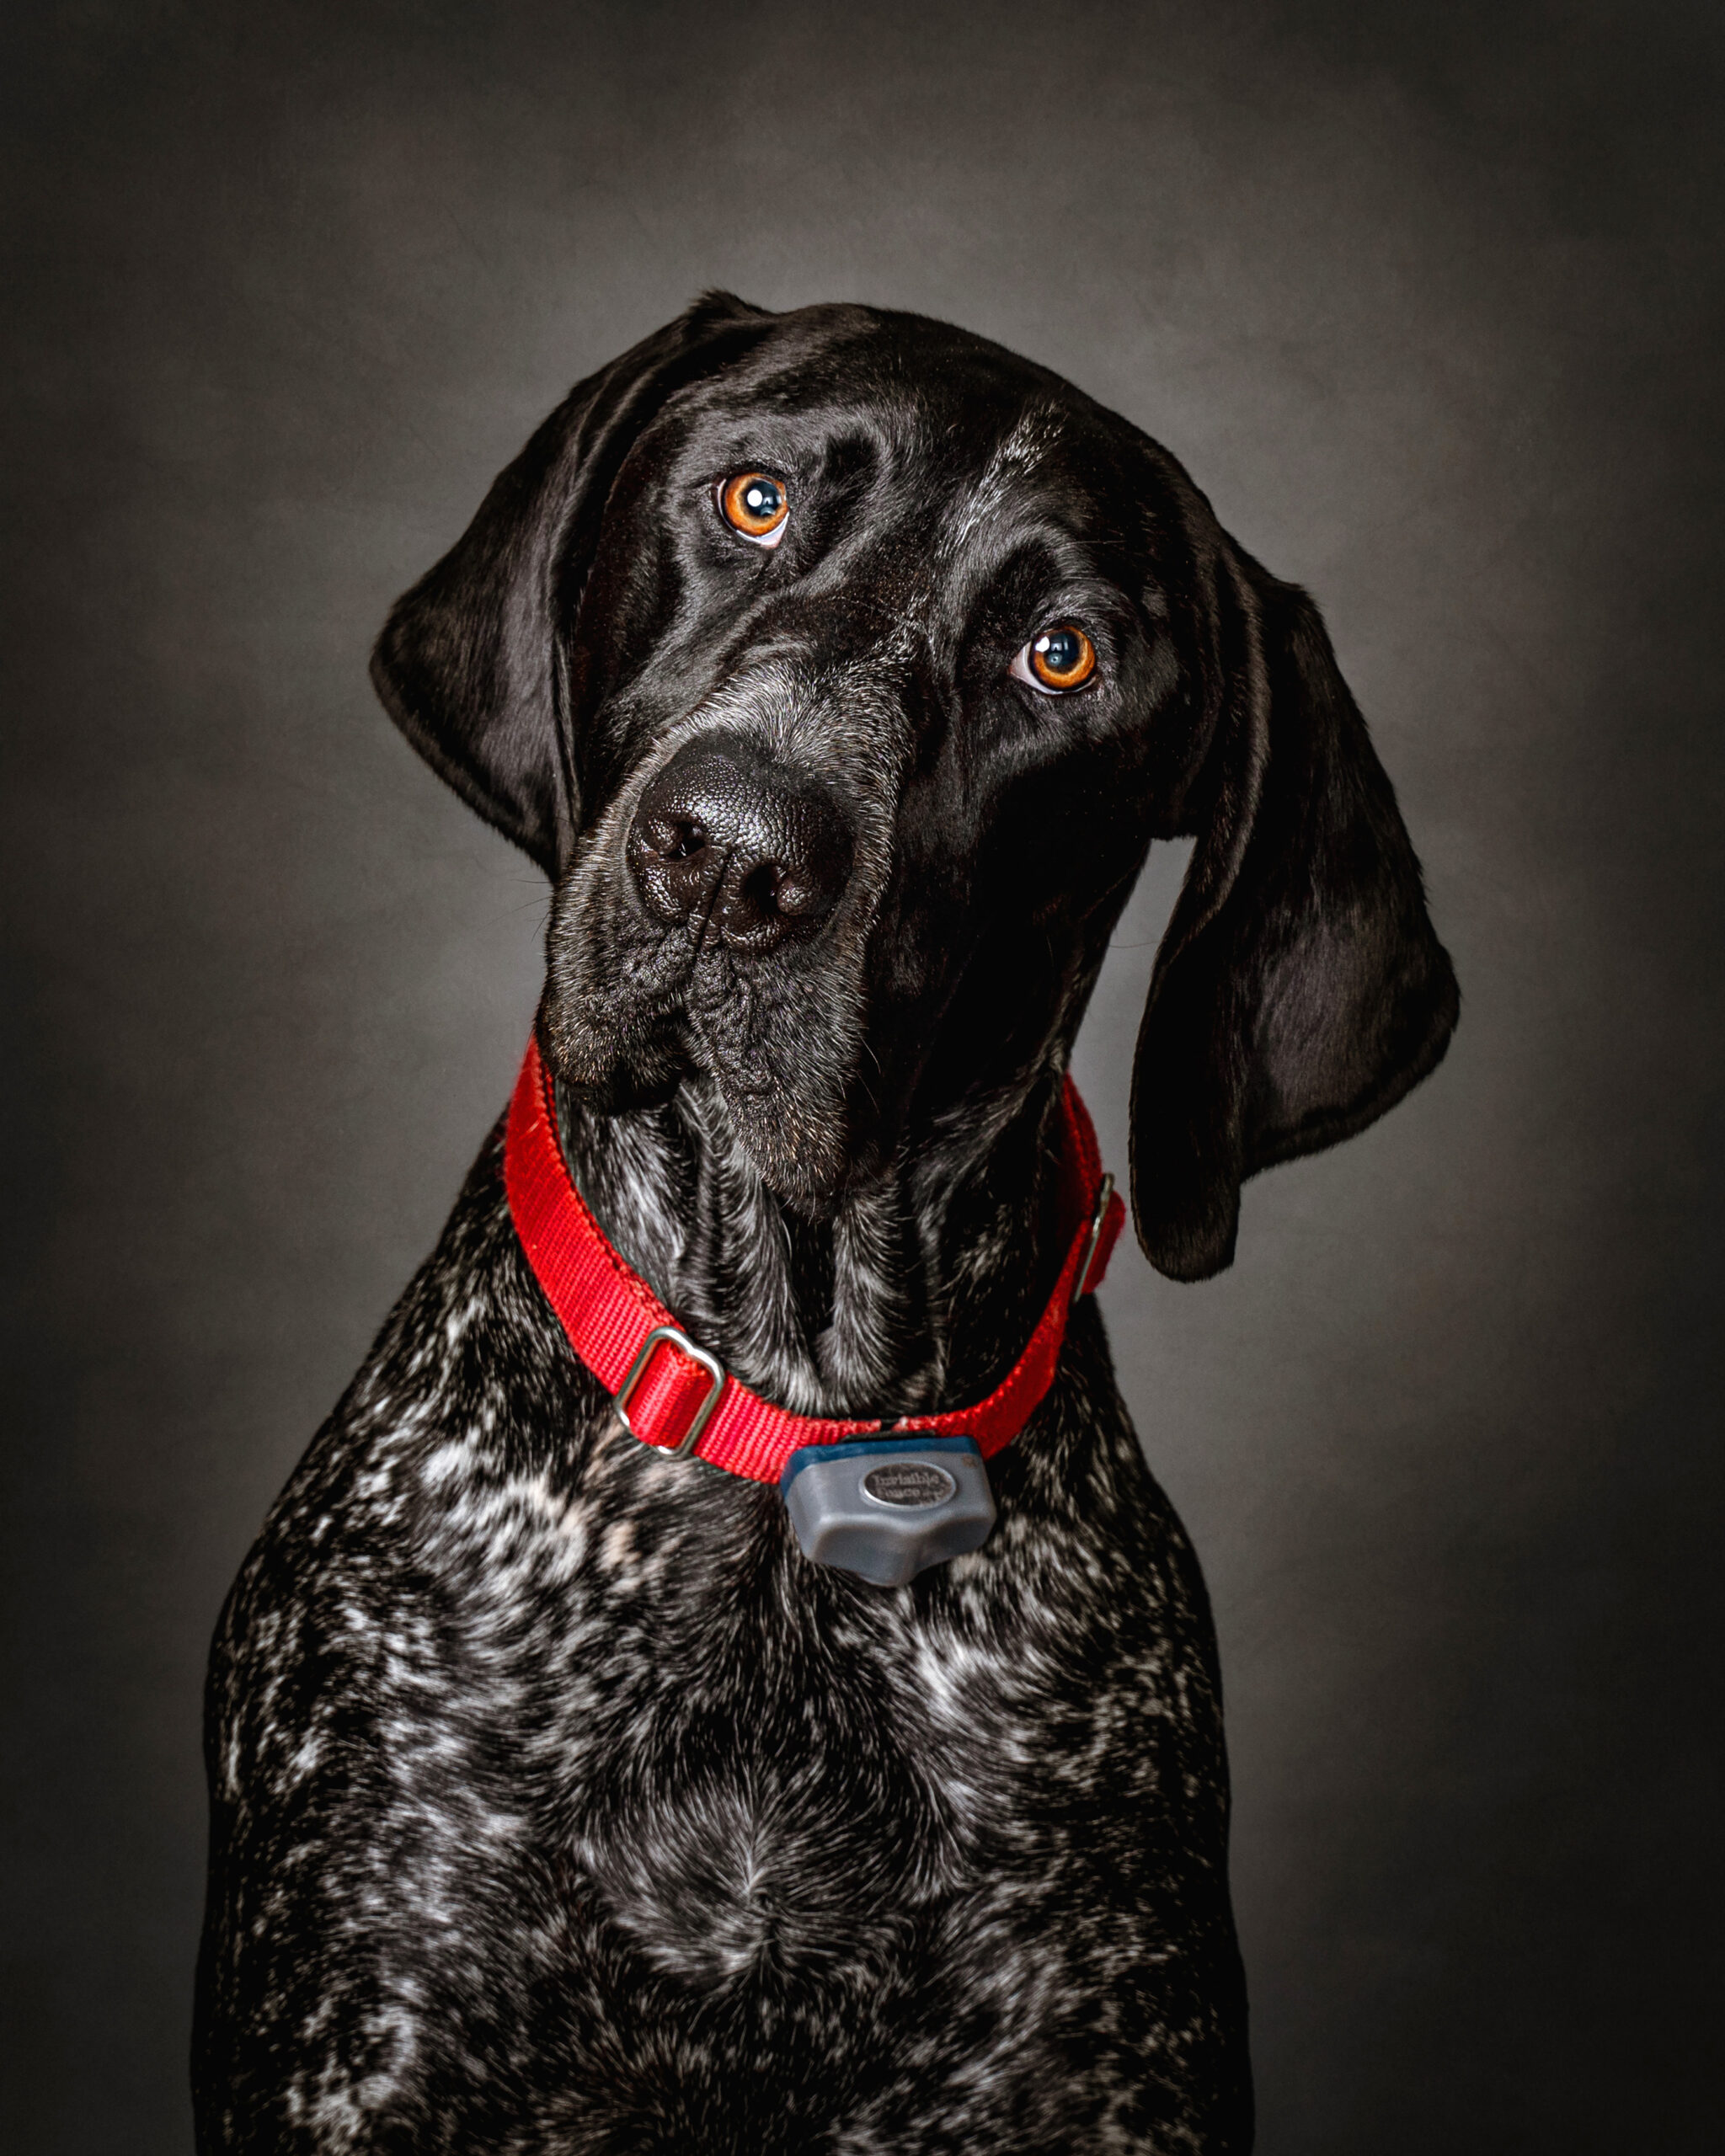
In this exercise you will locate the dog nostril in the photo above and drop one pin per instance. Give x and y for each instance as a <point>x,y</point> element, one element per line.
<point>794,895</point>
<point>761,893</point>
<point>675,838</point>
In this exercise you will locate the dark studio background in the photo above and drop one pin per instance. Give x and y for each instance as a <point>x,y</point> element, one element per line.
<point>1429,300</point>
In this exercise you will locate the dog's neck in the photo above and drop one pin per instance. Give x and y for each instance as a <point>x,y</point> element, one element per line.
<point>918,1292</point>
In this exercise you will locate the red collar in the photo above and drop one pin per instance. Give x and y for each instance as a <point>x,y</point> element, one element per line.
<point>673,1395</point>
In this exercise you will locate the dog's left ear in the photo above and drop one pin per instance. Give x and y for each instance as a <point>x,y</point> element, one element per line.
<point>1300,990</point>
<point>468,663</point>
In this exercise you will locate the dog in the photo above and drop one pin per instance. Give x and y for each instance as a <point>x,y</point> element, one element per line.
<point>838,668</point>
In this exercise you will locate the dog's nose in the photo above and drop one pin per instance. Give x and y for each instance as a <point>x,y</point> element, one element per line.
<point>746,852</point>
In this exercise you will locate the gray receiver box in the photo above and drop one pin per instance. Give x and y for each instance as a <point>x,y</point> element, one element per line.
<point>887,1507</point>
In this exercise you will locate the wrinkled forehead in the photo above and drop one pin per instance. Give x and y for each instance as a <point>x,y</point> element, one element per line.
<point>939,421</point>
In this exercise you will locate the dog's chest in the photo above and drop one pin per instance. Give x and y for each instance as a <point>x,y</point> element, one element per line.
<point>737,1759</point>
<point>701,1787</point>
<point>566,1774</point>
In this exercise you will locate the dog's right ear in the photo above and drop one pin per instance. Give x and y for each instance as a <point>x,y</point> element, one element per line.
<point>467,663</point>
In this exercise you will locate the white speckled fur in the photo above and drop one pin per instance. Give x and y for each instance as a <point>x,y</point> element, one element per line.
<point>563,1805</point>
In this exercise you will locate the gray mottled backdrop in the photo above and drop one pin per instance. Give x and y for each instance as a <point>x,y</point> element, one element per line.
<point>1429,300</point>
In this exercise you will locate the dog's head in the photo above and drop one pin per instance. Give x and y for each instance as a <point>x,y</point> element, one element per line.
<point>839,668</point>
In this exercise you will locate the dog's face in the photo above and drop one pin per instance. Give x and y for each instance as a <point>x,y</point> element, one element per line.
<point>849,836</point>
<point>840,668</point>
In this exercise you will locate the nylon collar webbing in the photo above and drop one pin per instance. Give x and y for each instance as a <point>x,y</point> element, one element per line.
<point>671,1394</point>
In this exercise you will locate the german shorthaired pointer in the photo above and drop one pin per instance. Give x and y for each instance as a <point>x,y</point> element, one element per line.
<point>838,668</point>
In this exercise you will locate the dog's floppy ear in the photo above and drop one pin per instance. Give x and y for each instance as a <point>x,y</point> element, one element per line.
<point>1300,990</point>
<point>467,663</point>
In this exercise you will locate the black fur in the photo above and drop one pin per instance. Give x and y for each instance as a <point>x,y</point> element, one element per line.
<point>558,1804</point>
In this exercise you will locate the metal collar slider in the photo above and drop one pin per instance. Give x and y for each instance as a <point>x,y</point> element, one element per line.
<point>671,1336</point>
<point>1080,1279</point>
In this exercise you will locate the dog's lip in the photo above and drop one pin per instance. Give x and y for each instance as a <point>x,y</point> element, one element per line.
<point>795,1146</point>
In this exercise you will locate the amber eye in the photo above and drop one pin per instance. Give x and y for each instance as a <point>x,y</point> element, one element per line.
<point>1062,658</point>
<point>756,506</point>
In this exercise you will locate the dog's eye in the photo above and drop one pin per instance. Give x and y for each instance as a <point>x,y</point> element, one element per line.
<point>1062,658</point>
<point>756,507</point>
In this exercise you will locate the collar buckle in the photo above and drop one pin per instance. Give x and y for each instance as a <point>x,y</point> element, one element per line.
<point>671,1336</point>
<point>1080,1279</point>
